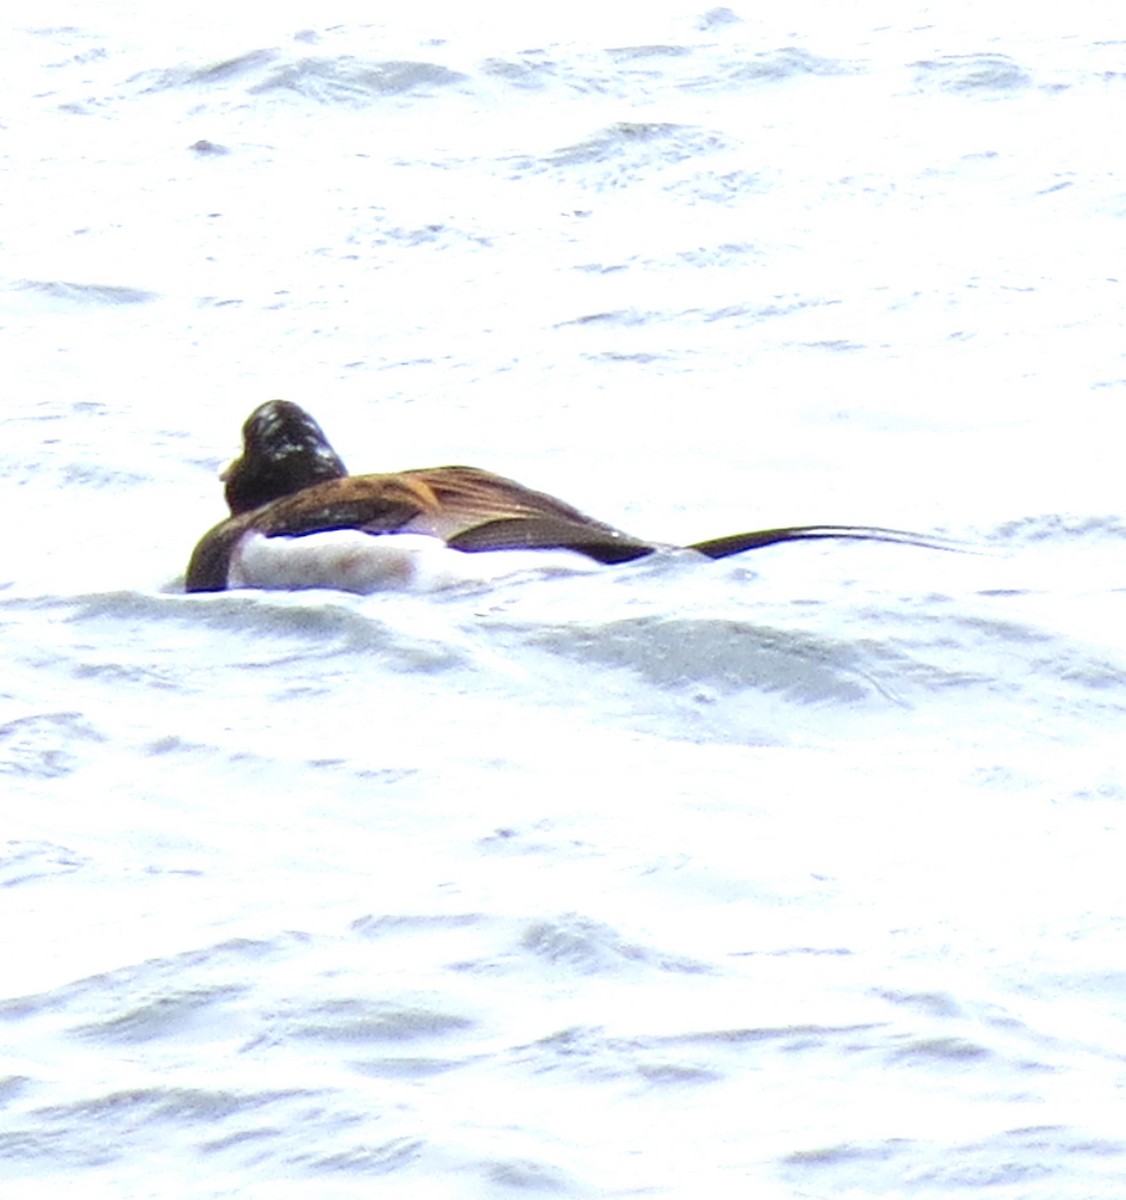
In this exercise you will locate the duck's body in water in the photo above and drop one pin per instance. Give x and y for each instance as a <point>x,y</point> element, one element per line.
<point>298,519</point>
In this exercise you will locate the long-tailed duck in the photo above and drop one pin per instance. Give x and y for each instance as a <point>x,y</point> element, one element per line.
<point>299,520</point>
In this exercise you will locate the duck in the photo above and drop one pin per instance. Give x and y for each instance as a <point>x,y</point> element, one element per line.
<point>297,519</point>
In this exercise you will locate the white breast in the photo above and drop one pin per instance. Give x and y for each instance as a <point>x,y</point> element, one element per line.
<point>351,561</point>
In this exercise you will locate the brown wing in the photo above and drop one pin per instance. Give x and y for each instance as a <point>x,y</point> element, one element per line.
<point>481,511</point>
<point>472,510</point>
<point>471,495</point>
<point>604,545</point>
<point>373,503</point>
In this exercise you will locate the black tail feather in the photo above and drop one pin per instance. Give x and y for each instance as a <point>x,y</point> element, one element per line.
<point>607,545</point>
<point>736,543</point>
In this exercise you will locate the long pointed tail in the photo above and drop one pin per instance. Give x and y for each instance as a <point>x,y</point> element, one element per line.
<point>736,543</point>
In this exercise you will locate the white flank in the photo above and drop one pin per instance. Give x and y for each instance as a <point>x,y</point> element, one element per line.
<point>351,561</point>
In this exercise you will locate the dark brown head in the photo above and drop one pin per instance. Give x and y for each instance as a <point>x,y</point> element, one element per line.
<point>283,451</point>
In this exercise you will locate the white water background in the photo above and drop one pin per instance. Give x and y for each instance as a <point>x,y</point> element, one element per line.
<point>794,875</point>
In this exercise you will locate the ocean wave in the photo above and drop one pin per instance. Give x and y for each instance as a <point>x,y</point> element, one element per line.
<point>1059,527</point>
<point>45,745</point>
<point>624,154</point>
<point>973,74</point>
<point>63,293</point>
<point>338,79</point>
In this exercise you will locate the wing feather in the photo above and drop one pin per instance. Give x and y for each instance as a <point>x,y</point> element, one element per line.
<point>736,543</point>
